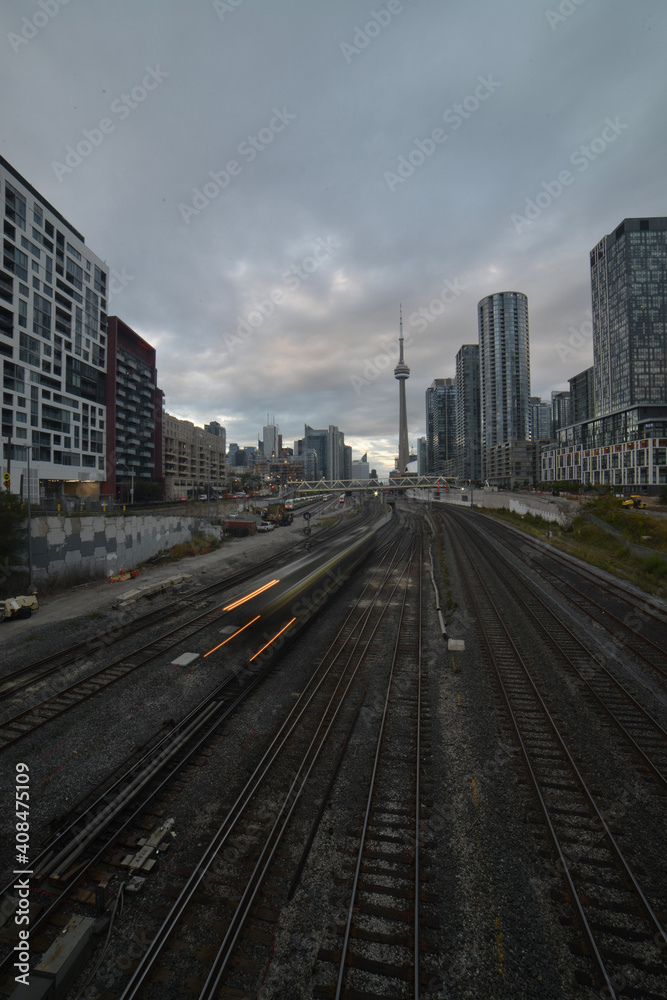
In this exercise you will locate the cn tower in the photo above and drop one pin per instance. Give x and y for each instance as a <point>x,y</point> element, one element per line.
<point>402,372</point>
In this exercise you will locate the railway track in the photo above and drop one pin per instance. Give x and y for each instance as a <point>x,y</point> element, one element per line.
<point>258,851</point>
<point>637,623</point>
<point>377,946</point>
<point>622,937</point>
<point>13,682</point>
<point>80,846</point>
<point>644,733</point>
<point>24,723</point>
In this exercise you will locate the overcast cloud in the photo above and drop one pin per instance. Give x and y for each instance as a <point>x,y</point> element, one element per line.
<point>269,180</point>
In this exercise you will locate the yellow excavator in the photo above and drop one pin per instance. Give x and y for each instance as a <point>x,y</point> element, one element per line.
<point>274,513</point>
<point>634,503</point>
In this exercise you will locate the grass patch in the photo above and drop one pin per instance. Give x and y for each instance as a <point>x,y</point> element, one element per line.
<point>198,545</point>
<point>636,526</point>
<point>449,602</point>
<point>594,545</point>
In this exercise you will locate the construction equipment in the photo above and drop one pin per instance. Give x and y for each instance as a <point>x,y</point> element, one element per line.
<point>634,503</point>
<point>274,513</point>
<point>19,607</point>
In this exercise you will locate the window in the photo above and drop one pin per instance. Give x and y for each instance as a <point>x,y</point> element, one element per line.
<point>15,208</point>
<point>37,215</point>
<point>41,317</point>
<point>27,245</point>
<point>74,273</point>
<point>16,261</point>
<point>29,350</point>
<point>14,377</point>
<point>6,287</point>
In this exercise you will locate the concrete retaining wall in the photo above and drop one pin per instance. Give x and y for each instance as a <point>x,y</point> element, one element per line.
<point>109,544</point>
<point>549,508</point>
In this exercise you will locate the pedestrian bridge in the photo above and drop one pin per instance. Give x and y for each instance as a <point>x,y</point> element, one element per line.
<point>299,487</point>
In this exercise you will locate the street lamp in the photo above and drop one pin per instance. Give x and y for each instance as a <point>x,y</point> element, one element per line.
<point>28,448</point>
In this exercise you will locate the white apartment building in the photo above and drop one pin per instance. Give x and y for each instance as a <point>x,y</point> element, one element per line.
<point>53,347</point>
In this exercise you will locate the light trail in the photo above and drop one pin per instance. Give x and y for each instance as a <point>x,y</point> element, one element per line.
<point>242,600</point>
<point>229,638</point>
<point>271,640</point>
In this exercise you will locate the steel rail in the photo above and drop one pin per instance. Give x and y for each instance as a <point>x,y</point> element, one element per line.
<point>647,604</point>
<point>568,589</point>
<point>93,643</point>
<point>529,611</point>
<point>258,775</point>
<point>418,774</point>
<point>371,789</point>
<point>225,951</point>
<point>616,850</point>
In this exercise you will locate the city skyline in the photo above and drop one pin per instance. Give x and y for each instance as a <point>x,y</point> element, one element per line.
<point>330,163</point>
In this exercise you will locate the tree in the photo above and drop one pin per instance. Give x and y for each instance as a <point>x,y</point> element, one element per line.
<point>663,496</point>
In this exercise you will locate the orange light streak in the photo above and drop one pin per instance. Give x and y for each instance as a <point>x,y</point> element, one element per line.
<point>229,638</point>
<point>242,600</point>
<point>270,641</point>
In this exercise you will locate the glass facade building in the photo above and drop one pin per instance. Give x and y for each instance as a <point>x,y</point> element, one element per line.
<point>441,427</point>
<point>468,430</point>
<point>623,442</point>
<point>629,292</point>
<point>504,362</point>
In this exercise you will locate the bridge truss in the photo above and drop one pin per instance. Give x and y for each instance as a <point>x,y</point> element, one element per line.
<point>299,487</point>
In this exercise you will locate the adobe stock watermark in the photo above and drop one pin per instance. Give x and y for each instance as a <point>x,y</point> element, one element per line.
<point>122,107</point>
<point>565,9</point>
<point>581,157</point>
<point>364,35</point>
<point>577,339</point>
<point>31,26</point>
<point>292,279</point>
<point>222,7</point>
<point>454,117</point>
<point>249,149</point>
<point>388,354</point>
<point>118,282</point>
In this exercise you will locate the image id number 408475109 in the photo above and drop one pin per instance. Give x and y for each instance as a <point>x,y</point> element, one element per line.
<point>22,871</point>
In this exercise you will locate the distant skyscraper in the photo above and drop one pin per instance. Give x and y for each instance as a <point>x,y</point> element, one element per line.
<point>270,441</point>
<point>468,432</point>
<point>402,373</point>
<point>582,395</point>
<point>422,456</point>
<point>441,427</point>
<point>330,447</point>
<point>540,420</point>
<point>629,291</point>
<point>560,410</point>
<point>504,361</point>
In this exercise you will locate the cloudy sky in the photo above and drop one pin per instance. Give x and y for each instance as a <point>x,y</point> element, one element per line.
<point>269,179</point>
